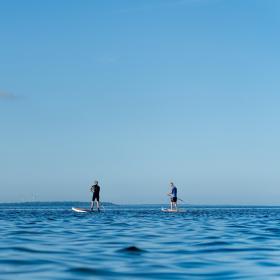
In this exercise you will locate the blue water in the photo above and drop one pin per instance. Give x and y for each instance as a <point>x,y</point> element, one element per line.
<point>139,242</point>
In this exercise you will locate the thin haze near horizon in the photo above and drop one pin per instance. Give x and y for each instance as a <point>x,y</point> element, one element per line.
<point>137,94</point>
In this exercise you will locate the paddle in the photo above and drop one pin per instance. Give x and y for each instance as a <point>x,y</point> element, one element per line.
<point>177,198</point>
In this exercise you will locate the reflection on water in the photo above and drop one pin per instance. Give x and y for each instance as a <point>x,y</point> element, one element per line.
<point>52,242</point>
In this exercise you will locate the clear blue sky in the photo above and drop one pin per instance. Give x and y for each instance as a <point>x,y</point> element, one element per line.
<point>138,93</point>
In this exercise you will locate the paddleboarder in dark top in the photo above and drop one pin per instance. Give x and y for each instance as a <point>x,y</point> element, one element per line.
<point>173,196</point>
<point>95,189</point>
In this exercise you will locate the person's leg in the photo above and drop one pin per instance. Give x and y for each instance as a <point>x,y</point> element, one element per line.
<point>171,204</point>
<point>175,203</point>
<point>97,203</point>
<point>92,202</point>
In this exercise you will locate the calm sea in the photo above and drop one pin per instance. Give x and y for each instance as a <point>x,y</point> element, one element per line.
<point>49,241</point>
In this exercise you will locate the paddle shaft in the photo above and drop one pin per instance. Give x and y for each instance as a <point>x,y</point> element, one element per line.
<point>177,198</point>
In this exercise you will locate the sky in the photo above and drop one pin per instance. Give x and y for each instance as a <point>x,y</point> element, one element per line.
<point>137,94</point>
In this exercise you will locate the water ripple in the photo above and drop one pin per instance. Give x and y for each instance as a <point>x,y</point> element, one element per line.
<point>139,242</point>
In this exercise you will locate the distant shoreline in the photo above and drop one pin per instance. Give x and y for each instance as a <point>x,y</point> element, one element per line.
<point>55,202</point>
<point>80,203</point>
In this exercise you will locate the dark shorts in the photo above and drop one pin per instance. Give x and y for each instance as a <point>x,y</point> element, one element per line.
<point>95,197</point>
<point>173,199</point>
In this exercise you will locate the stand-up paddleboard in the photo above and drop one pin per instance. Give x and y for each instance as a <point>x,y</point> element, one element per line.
<point>81,210</point>
<point>173,210</point>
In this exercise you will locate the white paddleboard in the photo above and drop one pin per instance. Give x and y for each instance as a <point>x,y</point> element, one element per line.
<point>173,210</point>
<point>81,210</point>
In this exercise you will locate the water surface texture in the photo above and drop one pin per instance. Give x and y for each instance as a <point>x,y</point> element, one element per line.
<point>49,241</point>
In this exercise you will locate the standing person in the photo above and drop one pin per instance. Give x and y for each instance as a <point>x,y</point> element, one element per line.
<point>95,189</point>
<point>173,196</point>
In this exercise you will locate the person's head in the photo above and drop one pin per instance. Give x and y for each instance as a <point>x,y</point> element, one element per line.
<point>171,184</point>
<point>96,182</point>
